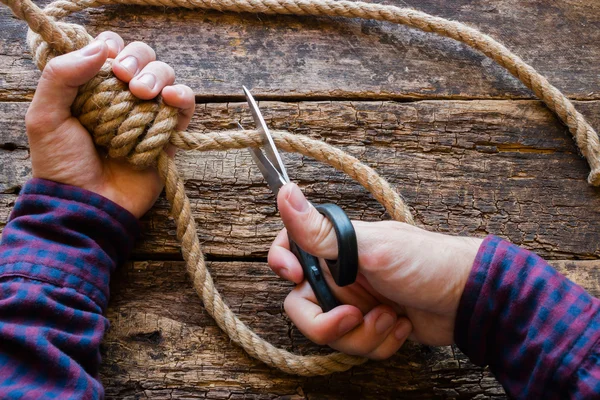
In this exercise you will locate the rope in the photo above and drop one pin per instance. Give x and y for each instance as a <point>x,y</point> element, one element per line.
<point>139,130</point>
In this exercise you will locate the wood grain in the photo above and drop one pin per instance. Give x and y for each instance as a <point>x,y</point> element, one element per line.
<point>465,167</point>
<point>467,148</point>
<point>291,57</point>
<point>163,344</point>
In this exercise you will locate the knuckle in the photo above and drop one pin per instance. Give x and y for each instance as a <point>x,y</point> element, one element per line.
<point>322,230</point>
<point>141,46</point>
<point>111,35</point>
<point>188,95</point>
<point>32,121</point>
<point>318,336</point>
<point>288,304</point>
<point>314,333</point>
<point>51,71</point>
<point>374,259</point>
<point>370,260</point>
<point>271,257</point>
<point>188,90</point>
<point>38,124</point>
<point>393,226</point>
<point>165,68</point>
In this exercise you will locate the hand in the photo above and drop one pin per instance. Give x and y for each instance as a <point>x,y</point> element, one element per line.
<point>409,283</point>
<point>61,148</point>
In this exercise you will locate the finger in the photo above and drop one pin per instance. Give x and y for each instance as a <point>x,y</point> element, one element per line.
<point>151,80</point>
<point>170,150</point>
<point>132,59</point>
<point>319,327</point>
<point>57,88</point>
<point>393,342</point>
<point>182,97</point>
<point>114,42</point>
<point>285,264</point>
<point>306,226</point>
<point>282,239</point>
<point>282,261</point>
<point>372,333</point>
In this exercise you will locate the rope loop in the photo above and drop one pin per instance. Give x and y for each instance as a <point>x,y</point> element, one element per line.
<point>139,130</point>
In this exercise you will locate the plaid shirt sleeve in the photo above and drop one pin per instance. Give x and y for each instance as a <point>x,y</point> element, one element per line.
<point>537,330</point>
<point>56,257</point>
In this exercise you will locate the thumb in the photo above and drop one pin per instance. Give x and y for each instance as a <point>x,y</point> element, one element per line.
<point>305,225</point>
<point>57,88</point>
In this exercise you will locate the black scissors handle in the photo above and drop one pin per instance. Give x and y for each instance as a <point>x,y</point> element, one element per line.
<point>343,270</point>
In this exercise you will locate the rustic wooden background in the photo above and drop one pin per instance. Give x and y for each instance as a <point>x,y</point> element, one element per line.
<point>467,145</point>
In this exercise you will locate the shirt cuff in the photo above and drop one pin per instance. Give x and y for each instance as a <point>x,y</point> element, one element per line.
<point>67,236</point>
<point>529,323</point>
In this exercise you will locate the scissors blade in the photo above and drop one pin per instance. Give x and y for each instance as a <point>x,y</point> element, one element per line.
<point>268,144</point>
<point>274,179</point>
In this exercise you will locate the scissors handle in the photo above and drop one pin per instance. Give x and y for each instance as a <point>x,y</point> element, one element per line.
<point>343,270</point>
<point>314,275</point>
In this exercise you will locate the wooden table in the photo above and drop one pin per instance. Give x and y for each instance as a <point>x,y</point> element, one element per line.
<point>472,151</point>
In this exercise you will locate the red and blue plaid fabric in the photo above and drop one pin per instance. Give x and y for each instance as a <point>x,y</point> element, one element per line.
<point>537,330</point>
<point>56,257</point>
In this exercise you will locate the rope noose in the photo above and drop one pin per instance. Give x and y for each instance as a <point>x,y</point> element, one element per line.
<point>139,130</point>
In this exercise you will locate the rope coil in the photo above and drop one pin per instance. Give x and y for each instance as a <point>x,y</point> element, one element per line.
<point>139,130</point>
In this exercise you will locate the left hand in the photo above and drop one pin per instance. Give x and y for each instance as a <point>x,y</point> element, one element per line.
<point>61,148</point>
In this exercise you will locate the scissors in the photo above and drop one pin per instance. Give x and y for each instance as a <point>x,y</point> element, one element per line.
<point>345,268</point>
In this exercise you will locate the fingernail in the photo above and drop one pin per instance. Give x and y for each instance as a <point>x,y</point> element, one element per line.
<point>384,322</point>
<point>180,91</point>
<point>130,63</point>
<point>148,80</point>
<point>112,45</point>
<point>93,48</point>
<point>297,200</point>
<point>402,330</point>
<point>347,324</point>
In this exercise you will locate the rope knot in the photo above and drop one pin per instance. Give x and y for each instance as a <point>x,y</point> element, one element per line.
<point>72,37</point>
<point>126,126</point>
<point>122,123</point>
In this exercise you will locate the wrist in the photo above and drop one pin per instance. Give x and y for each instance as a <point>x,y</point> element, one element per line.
<point>465,250</point>
<point>67,236</point>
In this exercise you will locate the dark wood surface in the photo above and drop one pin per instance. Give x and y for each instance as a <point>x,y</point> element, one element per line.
<point>465,143</point>
<point>291,57</point>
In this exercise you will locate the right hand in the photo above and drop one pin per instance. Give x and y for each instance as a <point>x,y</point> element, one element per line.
<point>409,282</point>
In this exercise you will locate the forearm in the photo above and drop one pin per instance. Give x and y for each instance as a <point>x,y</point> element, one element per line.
<point>57,253</point>
<point>536,330</point>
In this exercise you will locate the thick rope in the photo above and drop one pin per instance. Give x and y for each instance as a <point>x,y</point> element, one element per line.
<point>584,135</point>
<point>139,130</point>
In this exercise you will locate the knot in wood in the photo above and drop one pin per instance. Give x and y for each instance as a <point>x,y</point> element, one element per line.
<point>120,122</point>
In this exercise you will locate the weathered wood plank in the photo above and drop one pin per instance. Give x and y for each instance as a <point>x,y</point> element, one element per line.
<point>163,343</point>
<point>216,53</point>
<point>465,167</point>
